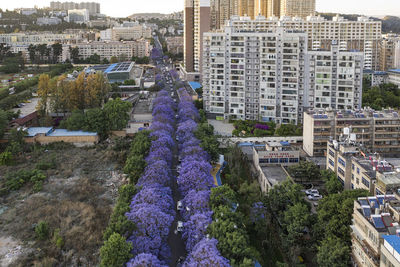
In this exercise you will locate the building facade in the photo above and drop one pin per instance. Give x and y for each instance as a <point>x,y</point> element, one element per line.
<point>93,7</point>
<point>394,76</point>
<point>78,15</point>
<point>362,35</point>
<point>175,44</point>
<point>390,53</point>
<point>376,131</point>
<point>296,8</point>
<point>197,21</point>
<point>270,75</point>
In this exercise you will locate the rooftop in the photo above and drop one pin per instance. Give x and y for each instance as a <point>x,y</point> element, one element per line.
<point>393,241</point>
<point>64,132</point>
<point>366,113</point>
<point>395,70</point>
<point>33,131</point>
<point>275,175</point>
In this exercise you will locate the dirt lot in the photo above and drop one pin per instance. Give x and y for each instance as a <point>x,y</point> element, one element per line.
<point>76,198</point>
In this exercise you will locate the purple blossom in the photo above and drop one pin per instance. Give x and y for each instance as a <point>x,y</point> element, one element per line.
<point>185,130</point>
<point>257,212</point>
<point>156,173</point>
<point>157,196</point>
<point>205,253</point>
<point>145,260</point>
<point>160,126</point>
<point>262,127</point>
<point>159,153</point>
<point>141,243</point>
<point>150,221</point>
<point>195,202</point>
<point>195,175</point>
<point>195,228</point>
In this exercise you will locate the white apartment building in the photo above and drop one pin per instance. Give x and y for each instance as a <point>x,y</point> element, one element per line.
<point>394,77</point>
<point>78,15</point>
<point>107,50</point>
<point>363,35</point>
<point>269,75</point>
<point>133,32</point>
<point>334,79</point>
<point>38,38</point>
<point>48,21</point>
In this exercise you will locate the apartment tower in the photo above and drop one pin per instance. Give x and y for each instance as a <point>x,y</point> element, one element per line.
<point>297,8</point>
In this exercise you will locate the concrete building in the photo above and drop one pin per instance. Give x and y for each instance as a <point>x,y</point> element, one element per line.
<point>78,15</point>
<point>374,228</point>
<point>357,170</point>
<point>94,8</point>
<point>107,50</point>
<point>175,44</point>
<point>297,8</point>
<point>390,53</point>
<point>133,32</point>
<point>48,21</point>
<point>27,11</point>
<point>334,79</point>
<point>196,22</point>
<point>376,131</point>
<point>38,38</point>
<point>394,76</point>
<point>390,251</point>
<point>270,75</point>
<point>361,35</point>
<point>379,77</point>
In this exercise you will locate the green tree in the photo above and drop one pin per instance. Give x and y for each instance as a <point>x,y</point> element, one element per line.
<point>3,122</point>
<point>222,196</point>
<point>76,121</point>
<point>289,130</point>
<point>296,219</point>
<point>74,54</point>
<point>57,51</point>
<point>134,167</point>
<point>113,60</point>
<point>96,122</point>
<point>116,112</point>
<point>42,230</point>
<point>333,252</point>
<point>115,252</point>
<point>305,171</point>
<point>332,184</point>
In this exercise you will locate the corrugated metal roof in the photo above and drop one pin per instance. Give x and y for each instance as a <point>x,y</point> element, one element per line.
<point>33,131</point>
<point>64,132</point>
<point>394,241</point>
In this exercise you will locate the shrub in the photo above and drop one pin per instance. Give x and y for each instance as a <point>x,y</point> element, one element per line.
<point>115,252</point>
<point>42,230</point>
<point>57,239</point>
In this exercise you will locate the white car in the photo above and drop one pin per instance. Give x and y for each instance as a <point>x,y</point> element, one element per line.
<point>179,205</point>
<point>179,227</point>
<point>312,192</point>
<point>314,197</point>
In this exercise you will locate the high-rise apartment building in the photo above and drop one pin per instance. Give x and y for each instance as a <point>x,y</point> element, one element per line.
<point>197,21</point>
<point>361,35</point>
<point>94,8</point>
<point>390,53</point>
<point>297,8</point>
<point>269,75</point>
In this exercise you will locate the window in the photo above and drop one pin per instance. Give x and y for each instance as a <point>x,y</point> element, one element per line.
<point>342,162</point>
<point>331,153</point>
<point>365,182</point>
<point>358,170</point>
<point>331,163</point>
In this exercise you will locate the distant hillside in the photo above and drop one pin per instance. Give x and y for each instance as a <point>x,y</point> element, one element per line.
<point>389,23</point>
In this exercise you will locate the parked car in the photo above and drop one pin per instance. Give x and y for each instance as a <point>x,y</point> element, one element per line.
<point>312,191</point>
<point>179,205</point>
<point>314,197</point>
<point>179,227</point>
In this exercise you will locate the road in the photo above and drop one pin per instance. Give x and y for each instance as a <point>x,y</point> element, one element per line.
<point>175,241</point>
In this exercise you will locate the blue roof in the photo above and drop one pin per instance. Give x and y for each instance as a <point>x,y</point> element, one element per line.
<point>395,70</point>
<point>245,144</point>
<point>394,241</point>
<point>195,85</point>
<point>110,68</point>
<point>33,131</point>
<point>285,143</point>
<point>64,132</point>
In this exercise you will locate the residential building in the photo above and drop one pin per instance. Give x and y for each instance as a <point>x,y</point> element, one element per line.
<point>48,21</point>
<point>334,79</point>
<point>390,251</point>
<point>78,15</point>
<point>377,131</point>
<point>94,8</point>
<point>175,44</point>
<point>106,35</point>
<point>107,50</point>
<point>357,170</point>
<point>297,8</point>
<point>133,32</point>
<point>390,52</point>
<point>27,11</point>
<point>394,76</point>
<point>270,75</point>
<point>38,38</point>
<point>374,229</point>
<point>379,77</point>
<point>196,22</point>
<point>118,72</point>
<point>362,35</point>
<point>247,8</point>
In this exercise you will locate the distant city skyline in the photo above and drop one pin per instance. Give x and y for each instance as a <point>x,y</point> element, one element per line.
<point>122,8</point>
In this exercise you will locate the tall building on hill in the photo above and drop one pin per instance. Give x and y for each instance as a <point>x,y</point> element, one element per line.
<point>297,8</point>
<point>93,7</point>
<point>197,21</point>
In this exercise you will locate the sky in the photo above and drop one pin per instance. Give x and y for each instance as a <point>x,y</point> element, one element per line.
<point>123,8</point>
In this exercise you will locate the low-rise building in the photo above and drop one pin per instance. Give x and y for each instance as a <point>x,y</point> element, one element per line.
<point>390,251</point>
<point>377,131</point>
<point>48,21</point>
<point>175,44</point>
<point>78,15</point>
<point>27,11</point>
<point>379,77</point>
<point>394,76</point>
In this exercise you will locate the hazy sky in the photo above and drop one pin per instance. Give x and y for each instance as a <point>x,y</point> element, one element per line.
<point>121,8</point>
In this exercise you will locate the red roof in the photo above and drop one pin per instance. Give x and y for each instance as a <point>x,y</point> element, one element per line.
<point>27,118</point>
